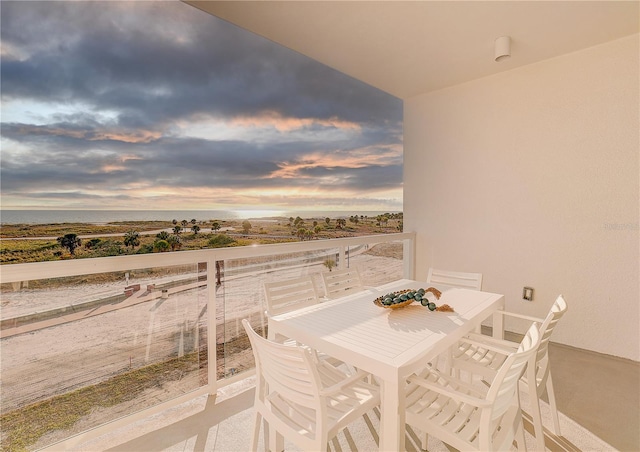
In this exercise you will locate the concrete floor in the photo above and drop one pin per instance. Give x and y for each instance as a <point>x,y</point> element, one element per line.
<point>599,392</point>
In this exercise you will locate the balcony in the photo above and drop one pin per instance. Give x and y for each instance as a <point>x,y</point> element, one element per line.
<point>113,340</point>
<point>117,352</point>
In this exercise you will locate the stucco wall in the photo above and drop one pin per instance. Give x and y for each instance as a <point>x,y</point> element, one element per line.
<point>532,177</point>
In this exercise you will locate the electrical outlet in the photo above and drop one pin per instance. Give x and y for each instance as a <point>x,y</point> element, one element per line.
<point>527,293</point>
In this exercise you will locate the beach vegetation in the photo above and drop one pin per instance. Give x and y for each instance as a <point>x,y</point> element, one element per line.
<point>329,263</point>
<point>160,246</point>
<point>174,241</point>
<point>246,226</point>
<point>21,244</point>
<point>146,248</point>
<point>132,239</point>
<point>22,428</point>
<point>70,242</point>
<point>92,243</point>
<point>220,240</point>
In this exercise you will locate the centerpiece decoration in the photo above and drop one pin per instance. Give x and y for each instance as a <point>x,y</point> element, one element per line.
<point>402,298</point>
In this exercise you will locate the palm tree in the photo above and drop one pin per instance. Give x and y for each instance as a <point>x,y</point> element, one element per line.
<point>215,226</point>
<point>246,226</point>
<point>162,235</point>
<point>327,220</point>
<point>193,221</point>
<point>132,239</point>
<point>174,221</point>
<point>184,223</point>
<point>177,229</point>
<point>174,242</point>
<point>195,228</point>
<point>71,242</point>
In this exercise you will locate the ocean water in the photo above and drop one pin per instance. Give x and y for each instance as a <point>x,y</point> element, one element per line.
<point>107,216</point>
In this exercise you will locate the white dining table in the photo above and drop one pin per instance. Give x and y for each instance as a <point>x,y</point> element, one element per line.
<point>391,344</point>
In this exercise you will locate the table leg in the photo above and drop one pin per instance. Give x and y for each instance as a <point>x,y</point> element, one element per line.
<point>498,324</point>
<point>392,422</point>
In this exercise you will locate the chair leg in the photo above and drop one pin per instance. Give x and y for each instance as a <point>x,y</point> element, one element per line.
<point>534,406</point>
<point>276,441</point>
<point>256,432</point>
<point>522,445</point>
<point>552,404</point>
<point>425,440</point>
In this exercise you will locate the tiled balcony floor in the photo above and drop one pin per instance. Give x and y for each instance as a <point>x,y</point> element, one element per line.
<point>596,391</point>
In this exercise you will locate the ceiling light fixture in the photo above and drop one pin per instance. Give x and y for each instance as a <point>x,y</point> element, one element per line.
<point>502,48</point>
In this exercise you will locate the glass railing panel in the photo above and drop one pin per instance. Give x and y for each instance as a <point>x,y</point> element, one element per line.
<point>377,263</point>
<point>241,296</point>
<point>78,352</point>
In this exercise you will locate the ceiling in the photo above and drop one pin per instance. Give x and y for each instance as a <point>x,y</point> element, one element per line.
<point>411,47</point>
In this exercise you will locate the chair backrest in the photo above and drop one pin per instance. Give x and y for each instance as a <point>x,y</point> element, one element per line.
<point>338,283</point>
<point>285,369</point>
<point>289,295</point>
<point>455,279</point>
<point>505,384</point>
<point>556,312</point>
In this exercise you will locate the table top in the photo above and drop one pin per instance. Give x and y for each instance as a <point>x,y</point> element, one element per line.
<point>390,343</point>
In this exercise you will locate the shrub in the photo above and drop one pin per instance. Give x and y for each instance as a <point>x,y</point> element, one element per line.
<point>161,245</point>
<point>220,240</point>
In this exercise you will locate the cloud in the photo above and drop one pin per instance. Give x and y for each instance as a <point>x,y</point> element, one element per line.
<point>154,99</point>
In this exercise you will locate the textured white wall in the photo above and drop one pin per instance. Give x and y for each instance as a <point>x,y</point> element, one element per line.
<point>532,177</point>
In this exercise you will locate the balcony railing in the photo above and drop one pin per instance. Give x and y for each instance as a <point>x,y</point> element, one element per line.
<point>89,345</point>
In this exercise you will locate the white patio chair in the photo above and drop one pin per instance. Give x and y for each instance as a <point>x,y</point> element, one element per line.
<point>305,401</point>
<point>455,279</point>
<point>289,295</point>
<point>472,417</point>
<point>341,282</point>
<point>483,355</point>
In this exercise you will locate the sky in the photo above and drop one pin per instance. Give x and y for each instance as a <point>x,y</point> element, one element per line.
<point>157,105</point>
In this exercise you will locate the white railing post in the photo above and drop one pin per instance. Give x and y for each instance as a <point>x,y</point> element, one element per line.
<point>409,258</point>
<point>212,346</point>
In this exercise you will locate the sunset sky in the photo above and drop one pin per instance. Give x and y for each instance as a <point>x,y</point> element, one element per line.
<point>157,105</point>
